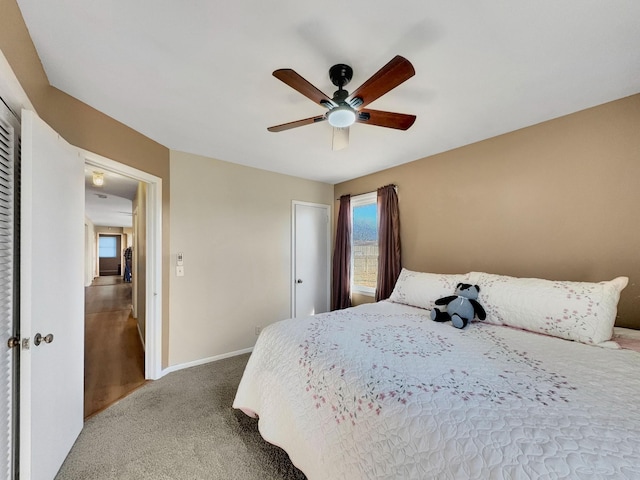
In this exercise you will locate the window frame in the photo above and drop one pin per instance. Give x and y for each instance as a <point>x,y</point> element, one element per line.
<point>360,201</point>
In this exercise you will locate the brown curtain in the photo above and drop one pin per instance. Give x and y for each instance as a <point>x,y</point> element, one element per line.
<point>388,241</point>
<point>341,281</point>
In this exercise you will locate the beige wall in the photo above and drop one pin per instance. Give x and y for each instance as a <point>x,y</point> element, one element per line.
<point>86,127</point>
<point>557,200</point>
<point>90,252</point>
<point>233,225</point>
<point>139,260</point>
<point>128,237</point>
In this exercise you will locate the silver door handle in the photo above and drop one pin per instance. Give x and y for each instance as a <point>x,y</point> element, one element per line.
<point>38,339</point>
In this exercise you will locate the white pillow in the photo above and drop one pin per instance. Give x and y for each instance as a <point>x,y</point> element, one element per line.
<point>420,289</point>
<point>580,311</point>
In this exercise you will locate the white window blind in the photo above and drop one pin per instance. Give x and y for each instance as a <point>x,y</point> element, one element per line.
<point>7,149</point>
<point>107,247</point>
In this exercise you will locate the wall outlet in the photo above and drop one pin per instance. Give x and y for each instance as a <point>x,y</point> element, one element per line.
<point>179,271</point>
<point>258,329</point>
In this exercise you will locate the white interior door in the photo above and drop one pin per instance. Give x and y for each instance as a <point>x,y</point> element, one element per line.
<point>311,259</point>
<point>51,299</point>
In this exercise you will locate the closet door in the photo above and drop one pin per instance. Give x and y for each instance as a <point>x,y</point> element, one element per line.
<point>51,299</point>
<point>8,351</point>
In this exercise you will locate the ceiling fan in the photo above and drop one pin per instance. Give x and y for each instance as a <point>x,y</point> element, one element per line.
<point>345,109</point>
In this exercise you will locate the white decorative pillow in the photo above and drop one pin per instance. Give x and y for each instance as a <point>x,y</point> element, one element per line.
<point>420,289</point>
<point>580,311</point>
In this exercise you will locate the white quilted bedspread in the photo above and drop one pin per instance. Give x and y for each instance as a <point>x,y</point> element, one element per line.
<point>381,391</point>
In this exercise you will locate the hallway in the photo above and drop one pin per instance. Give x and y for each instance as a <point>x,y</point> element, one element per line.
<point>114,357</point>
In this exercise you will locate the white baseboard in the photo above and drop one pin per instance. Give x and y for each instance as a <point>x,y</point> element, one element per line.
<point>195,363</point>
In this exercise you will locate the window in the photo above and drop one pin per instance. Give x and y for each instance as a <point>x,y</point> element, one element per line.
<point>107,247</point>
<point>364,243</point>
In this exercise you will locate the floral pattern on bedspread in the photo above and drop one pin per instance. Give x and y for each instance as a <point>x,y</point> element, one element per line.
<point>528,380</point>
<point>381,391</point>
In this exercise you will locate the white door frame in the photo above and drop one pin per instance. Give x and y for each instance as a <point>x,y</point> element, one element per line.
<point>153,293</point>
<point>327,209</point>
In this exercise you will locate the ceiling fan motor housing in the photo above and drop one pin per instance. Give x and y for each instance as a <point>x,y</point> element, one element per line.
<point>340,75</point>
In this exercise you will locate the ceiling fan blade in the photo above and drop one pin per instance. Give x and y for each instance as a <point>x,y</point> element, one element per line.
<point>298,83</point>
<point>297,123</point>
<point>340,138</point>
<point>400,121</point>
<point>398,70</point>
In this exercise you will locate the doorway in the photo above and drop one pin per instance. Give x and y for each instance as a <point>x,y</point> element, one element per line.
<point>114,353</point>
<point>147,269</point>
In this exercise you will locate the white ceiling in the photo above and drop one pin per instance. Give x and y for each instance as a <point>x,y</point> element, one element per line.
<point>111,204</point>
<point>196,76</point>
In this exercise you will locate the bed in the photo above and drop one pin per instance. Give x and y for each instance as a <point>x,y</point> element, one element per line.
<point>381,391</point>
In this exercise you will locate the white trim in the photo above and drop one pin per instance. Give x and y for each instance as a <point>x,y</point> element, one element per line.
<point>202,361</point>
<point>327,209</point>
<point>153,294</point>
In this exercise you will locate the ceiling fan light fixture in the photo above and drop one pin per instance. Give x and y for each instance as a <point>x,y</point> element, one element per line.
<point>98,179</point>
<point>342,117</point>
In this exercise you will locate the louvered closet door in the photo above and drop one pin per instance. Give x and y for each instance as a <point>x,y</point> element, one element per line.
<point>7,149</point>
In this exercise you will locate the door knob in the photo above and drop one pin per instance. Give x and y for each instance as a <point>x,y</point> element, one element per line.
<point>299,280</point>
<point>38,339</point>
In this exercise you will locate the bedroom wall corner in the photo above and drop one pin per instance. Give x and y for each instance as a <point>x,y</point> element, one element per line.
<point>233,225</point>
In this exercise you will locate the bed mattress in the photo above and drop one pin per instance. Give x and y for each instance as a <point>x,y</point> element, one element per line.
<point>381,391</point>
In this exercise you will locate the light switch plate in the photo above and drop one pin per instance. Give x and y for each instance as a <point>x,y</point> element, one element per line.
<point>180,271</point>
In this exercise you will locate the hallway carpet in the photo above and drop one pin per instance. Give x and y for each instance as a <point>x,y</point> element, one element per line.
<point>181,427</point>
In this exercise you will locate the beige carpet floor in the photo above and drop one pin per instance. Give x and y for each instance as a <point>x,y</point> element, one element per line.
<point>179,427</point>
